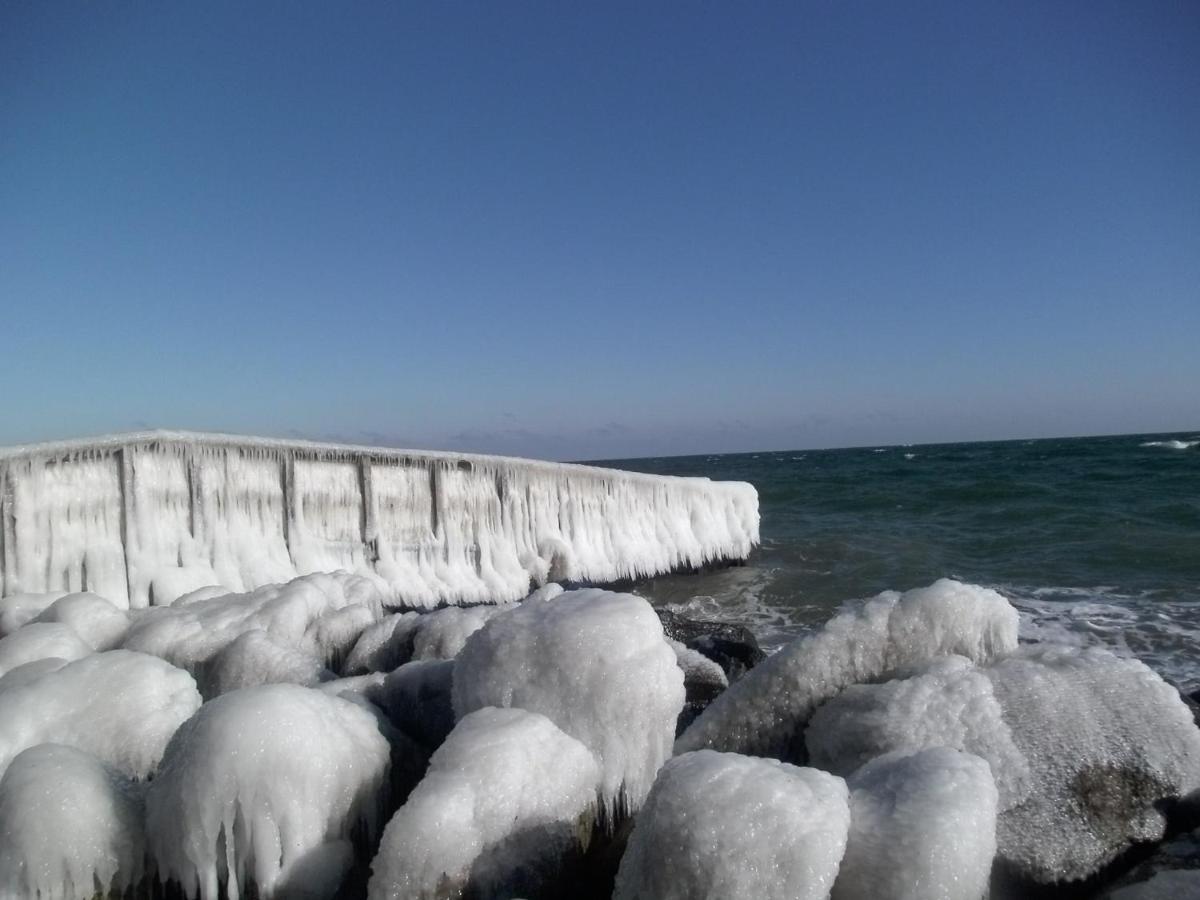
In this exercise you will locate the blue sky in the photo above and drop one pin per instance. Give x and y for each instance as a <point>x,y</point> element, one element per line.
<point>584,232</point>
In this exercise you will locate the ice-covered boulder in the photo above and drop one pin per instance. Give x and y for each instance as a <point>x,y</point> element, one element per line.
<point>257,658</point>
<point>333,635</point>
<point>41,640</point>
<point>31,671</point>
<point>90,616</point>
<point>70,826</point>
<point>597,665</point>
<point>120,706</point>
<point>1109,745</point>
<point>417,698</point>
<point>383,646</point>
<point>443,633</point>
<point>948,703</point>
<point>724,825</point>
<point>266,787</point>
<point>506,798</point>
<point>189,635</point>
<point>922,827</point>
<point>19,609</point>
<point>703,680</point>
<point>764,712</point>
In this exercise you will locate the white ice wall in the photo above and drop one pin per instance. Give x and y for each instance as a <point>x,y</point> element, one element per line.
<point>146,517</point>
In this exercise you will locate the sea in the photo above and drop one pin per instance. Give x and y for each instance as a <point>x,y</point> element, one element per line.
<point>1095,540</point>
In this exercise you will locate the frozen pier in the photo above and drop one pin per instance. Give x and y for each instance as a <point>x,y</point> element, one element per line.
<point>147,517</point>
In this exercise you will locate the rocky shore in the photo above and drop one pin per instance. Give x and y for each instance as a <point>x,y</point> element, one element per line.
<point>304,740</point>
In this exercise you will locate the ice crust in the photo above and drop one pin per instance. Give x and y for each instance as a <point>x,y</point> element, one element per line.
<point>725,825</point>
<point>18,609</point>
<point>505,798</point>
<point>142,519</point>
<point>41,640</point>
<point>293,614</point>
<point>596,664</point>
<point>948,703</point>
<point>764,712</point>
<point>70,826</point>
<point>1106,740</point>
<point>121,707</point>
<point>383,646</point>
<point>90,616</point>
<point>257,658</point>
<point>922,827</point>
<point>267,786</point>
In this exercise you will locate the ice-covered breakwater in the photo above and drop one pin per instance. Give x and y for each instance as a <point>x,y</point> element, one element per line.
<point>147,517</point>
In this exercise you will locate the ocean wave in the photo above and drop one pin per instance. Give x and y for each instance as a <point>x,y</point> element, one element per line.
<point>1173,445</point>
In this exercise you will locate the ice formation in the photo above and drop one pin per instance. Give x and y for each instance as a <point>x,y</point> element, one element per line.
<point>93,618</point>
<point>142,519</point>
<point>41,640</point>
<point>505,798</point>
<point>417,699</point>
<point>724,825</point>
<point>18,609</point>
<point>1107,741</point>
<point>267,787</point>
<point>121,707</point>
<point>764,712</point>
<point>442,634</point>
<point>922,827</point>
<point>948,703</point>
<point>70,826</point>
<point>384,646</point>
<point>257,658</point>
<point>596,664</point>
<point>291,613</point>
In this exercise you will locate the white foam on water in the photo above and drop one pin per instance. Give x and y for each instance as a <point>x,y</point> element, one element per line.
<point>1173,445</point>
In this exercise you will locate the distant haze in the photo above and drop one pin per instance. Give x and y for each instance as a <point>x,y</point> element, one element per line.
<point>624,230</point>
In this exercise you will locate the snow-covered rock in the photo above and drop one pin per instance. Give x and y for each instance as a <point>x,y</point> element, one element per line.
<point>41,640</point>
<point>31,671</point>
<point>506,797</point>
<point>597,665</point>
<point>922,827</point>
<point>764,712</point>
<point>93,618</point>
<point>70,826</point>
<point>948,703</point>
<point>121,707</point>
<point>724,825</point>
<point>266,786</point>
<point>257,658</point>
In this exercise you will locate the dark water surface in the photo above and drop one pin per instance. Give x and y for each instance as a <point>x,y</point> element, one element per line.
<point>1095,540</point>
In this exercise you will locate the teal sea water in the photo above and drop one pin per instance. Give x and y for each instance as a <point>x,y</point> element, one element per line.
<point>1095,540</point>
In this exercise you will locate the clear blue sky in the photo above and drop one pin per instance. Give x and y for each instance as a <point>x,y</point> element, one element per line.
<point>629,229</point>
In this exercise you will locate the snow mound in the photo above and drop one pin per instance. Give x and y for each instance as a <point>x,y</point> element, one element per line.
<point>41,640</point>
<point>121,707</point>
<point>505,798</point>
<point>1108,744</point>
<point>764,712</point>
<point>73,826</point>
<point>724,825</point>
<point>948,703</point>
<point>188,635</point>
<point>263,791</point>
<point>383,646</point>
<point>596,664</point>
<point>257,658</point>
<point>922,827</point>
<point>93,618</point>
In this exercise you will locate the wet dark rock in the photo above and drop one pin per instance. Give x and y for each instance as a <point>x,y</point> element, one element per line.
<point>733,647</point>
